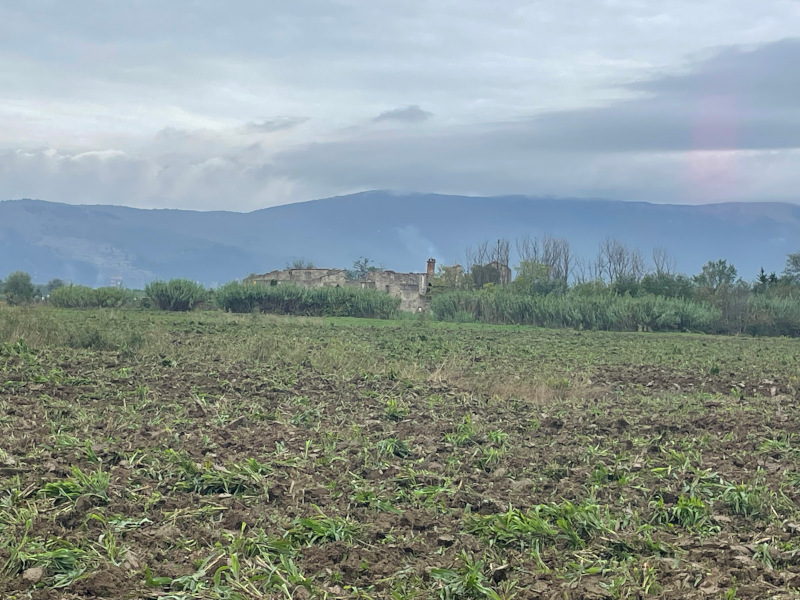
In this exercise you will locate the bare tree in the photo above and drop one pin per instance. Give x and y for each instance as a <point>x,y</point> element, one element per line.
<point>528,248</point>
<point>567,261</point>
<point>617,262</point>
<point>585,271</point>
<point>495,254</point>
<point>489,252</point>
<point>557,256</point>
<point>663,262</point>
<point>469,259</point>
<point>477,255</point>
<point>554,253</point>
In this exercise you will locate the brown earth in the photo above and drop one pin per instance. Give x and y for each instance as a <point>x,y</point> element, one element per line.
<point>634,442</point>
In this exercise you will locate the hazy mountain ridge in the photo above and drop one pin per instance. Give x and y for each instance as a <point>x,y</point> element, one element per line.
<point>91,244</point>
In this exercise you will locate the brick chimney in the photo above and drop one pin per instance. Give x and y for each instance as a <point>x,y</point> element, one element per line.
<point>431,267</point>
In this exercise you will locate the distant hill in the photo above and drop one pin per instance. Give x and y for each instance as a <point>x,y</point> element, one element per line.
<point>92,244</point>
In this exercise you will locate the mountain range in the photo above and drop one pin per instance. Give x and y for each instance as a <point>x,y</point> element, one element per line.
<point>91,244</point>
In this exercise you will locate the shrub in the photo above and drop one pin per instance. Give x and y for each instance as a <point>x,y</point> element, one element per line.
<point>112,297</point>
<point>81,296</point>
<point>316,302</point>
<point>175,294</point>
<point>73,296</point>
<point>579,310</point>
<point>773,316</point>
<point>19,289</point>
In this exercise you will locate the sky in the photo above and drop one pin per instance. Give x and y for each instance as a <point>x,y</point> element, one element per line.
<point>247,104</point>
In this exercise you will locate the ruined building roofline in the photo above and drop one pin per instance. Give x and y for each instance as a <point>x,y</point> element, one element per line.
<point>313,269</point>
<point>336,271</point>
<point>367,275</point>
<point>299,270</point>
<point>392,273</point>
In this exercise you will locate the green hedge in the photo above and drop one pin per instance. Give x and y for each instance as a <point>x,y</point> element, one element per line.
<point>605,312</point>
<point>319,302</point>
<point>81,296</point>
<point>175,294</point>
<point>772,316</point>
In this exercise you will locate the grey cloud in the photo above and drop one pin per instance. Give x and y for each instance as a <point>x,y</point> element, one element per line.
<point>193,64</point>
<point>688,139</point>
<point>651,148</point>
<point>595,101</point>
<point>734,100</point>
<point>273,125</point>
<point>765,77</point>
<point>409,114</point>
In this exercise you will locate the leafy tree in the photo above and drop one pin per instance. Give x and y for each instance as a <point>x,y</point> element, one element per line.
<point>536,278</point>
<point>54,284</point>
<point>792,269</point>
<point>451,277</point>
<point>626,286</point>
<point>665,284</point>
<point>361,268</point>
<point>19,289</point>
<point>715,275</point>
<point>483,274</point>
<point>717,284</point>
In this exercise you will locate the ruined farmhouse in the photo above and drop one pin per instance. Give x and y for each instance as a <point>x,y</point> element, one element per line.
<point>411,288</point>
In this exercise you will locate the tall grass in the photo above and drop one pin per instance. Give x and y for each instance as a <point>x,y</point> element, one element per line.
<point>315,302</point>
<point>43,326</point>
<point>81,296</point>
<point>175,294</point>
<point>604,312</point>
<point>772,316</point>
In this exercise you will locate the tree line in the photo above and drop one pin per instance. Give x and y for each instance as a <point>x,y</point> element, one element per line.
<point>547,269</point>
<point>549,286</point>
<point>547,264</point>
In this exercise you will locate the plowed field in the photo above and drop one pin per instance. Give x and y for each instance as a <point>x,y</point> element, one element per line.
<point>213,456</point>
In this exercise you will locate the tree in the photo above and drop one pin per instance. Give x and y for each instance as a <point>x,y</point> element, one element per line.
<point>451,277</point>
<point>764,282</point>
<point>536,278</point>
<point>19,289</point>
<point>668,285</point>
<point>717,285</point>
<point>555,253</point>
<point>488,262</point>
<point>586,271</point>
<point>619,264</point>
<point>299,263</point>
<point>792,270</point>
<point>489,252</point>
<point>715,275</point>
<point>362,267</point>
<point>663,261</point>
<point>485,274</point>
<point>54,284</point>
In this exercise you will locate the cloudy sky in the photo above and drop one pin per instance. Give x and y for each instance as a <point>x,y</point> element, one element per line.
<point>247,104</point>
